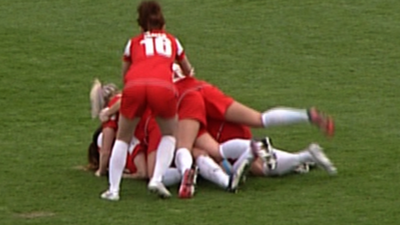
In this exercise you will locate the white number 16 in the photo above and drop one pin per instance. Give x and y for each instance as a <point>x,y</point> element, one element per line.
<point>160,45</point>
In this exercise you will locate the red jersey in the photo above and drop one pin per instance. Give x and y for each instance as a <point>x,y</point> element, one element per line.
<point>151,55</point>
<point>112,122</point>
<point>189,84</point>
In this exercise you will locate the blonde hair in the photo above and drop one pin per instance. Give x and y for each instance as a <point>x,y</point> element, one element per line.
<point>100,95</point>
<point>108,91</point>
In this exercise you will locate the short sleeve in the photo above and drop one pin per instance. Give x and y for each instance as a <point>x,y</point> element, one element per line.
<point>127,52</point>
<point>180,52</point>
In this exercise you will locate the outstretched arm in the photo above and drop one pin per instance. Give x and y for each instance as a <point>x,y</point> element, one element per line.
<point>105,150</point>
<point>125,67</point>
<point>187,68</point>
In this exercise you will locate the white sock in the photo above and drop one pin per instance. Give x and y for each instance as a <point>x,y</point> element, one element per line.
<point>164,157</point>
<point>183,159</point>
<point>171,177</point>
<point>117,164</point>
<point>286,163</point>
<point>305,156</point>
<point>247,155</point>
<point>211,171</point>
<point>234,148</point>
<point>282,116</point>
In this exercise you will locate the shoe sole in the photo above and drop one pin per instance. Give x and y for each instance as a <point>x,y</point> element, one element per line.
<point>188,185</point>
<point>244,168</point>
<point>325,123</point>
<point>159,193</point>
<point>328,167</point>
<point>109,199</point>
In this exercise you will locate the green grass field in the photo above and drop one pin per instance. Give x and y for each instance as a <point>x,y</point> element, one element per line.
<point>341,56</point>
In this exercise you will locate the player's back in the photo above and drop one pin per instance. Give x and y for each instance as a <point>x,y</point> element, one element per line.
<point>151,55</point>
<point>189,84</point>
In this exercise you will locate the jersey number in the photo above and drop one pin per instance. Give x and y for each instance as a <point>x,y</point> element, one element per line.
<point>160,45</point>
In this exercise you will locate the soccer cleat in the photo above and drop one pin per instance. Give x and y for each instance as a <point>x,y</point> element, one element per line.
<point>321,159</point>
<point>111,196</point>
<point>265,151</point>
<point>324,123</point>
<point>186,190</point>
<point>238,176</point>
<point>159,189</point>
<point>302,168</point>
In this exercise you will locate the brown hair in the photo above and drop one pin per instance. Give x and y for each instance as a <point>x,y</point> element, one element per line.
<point>93,152</point>
<point>150,16</point>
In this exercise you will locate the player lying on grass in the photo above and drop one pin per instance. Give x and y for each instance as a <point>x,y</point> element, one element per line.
<point>146,136</point>
<point>136,166</point>
<point>199,100</point>
<point>232,148</point>
<point>281,163</point>
<point>152,136</point>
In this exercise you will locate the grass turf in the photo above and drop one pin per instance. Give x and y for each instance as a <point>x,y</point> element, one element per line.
<point>341,56</point>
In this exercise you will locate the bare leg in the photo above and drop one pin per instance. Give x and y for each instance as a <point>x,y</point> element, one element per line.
<point>239,113</point>
<point>210,145</point>
<point>140,163</point>
<point>151,162</point>
<point>232,149</point>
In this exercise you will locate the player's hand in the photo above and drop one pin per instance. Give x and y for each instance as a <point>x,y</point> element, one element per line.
<point>103,115</point>
<point>192,73</point>
<point>98,173</point>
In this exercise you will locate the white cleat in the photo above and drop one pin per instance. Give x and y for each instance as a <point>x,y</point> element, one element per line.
<point>111,196</point>
<point>321,159</point>
<point>159,189</point>
<point>238,176</point>
<point>302,168</point>
<point>264,150</point>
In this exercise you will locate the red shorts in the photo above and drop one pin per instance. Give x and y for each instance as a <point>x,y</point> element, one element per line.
<point>158,95</point>
<point>223,131</point>
<point>153,136</point>
<point>216,102</point>
<point>191,106</point>
<point>148,132</point>
<point>130,163</point>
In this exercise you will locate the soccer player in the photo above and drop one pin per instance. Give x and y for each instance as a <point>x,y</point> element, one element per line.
<point>281,163</point>
<point>147,69</point>
<point>105,95</point>
<point>199,100</point>
<point>136,163</point>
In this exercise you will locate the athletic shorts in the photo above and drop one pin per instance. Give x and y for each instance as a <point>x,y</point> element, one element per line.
<point>130,164</point>
<point>148,132</point>
<point>223,131</point>
<point>216,102</point>
<point>191,106</point>
<point>160,96</point>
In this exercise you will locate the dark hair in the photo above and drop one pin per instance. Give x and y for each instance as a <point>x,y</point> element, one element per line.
<point>93,151</point>
<point>150,16</point>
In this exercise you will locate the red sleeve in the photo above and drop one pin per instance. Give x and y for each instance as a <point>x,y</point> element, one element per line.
<point>111,123</point>
<point>126,58</point>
